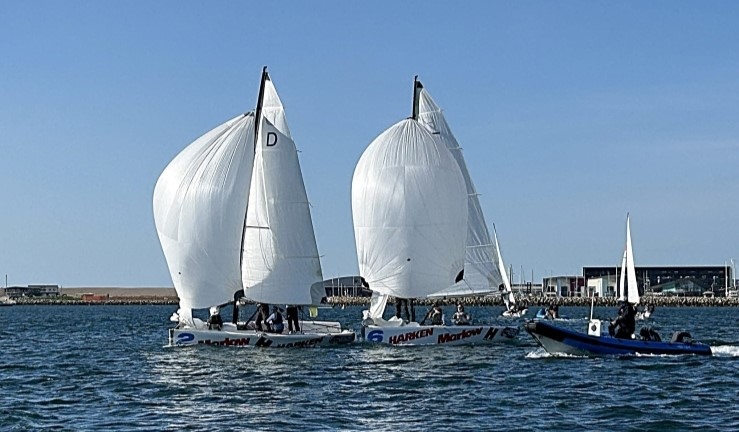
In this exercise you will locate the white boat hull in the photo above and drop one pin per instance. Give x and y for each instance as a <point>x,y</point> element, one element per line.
<point>315,333</point>
<point>438,335</point>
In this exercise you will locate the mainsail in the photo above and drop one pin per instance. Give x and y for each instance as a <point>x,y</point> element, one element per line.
<point>482,274</point>
<point>409,207</point>
<point>201,245</point>
<point>281,263</point>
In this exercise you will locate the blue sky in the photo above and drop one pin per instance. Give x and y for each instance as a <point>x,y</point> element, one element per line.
<point>570,115</point>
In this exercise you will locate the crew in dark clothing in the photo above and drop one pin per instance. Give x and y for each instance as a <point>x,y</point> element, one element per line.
<point>625,325</point>
<point>292,319</point>
<point>400,304</point>
<point>262,314</point>
<point>275,321</point>
<point>215,322</point>
<point>435,314</point>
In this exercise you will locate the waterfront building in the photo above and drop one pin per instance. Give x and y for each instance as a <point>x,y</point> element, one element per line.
<point>564,286</point>
<point>15,292</point>
<point>346,286</point>
<point>665,280</point>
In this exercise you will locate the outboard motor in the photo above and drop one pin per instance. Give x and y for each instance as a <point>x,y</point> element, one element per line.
<point>649,334</point>
<point>681,336</point>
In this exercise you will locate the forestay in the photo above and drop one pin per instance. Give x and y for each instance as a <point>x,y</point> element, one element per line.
<point>481,267</point>
<point>202,246</point>
<point>409,207</point>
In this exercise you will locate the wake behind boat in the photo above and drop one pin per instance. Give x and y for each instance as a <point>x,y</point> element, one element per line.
<point>622,338</point>
<point>233,218</point>
<point>420,232</point>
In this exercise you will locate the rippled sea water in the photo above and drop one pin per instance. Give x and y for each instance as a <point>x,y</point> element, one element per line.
<point>108,368</point>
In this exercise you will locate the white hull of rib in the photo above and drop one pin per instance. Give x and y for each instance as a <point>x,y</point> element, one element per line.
<point>438,335</point>
<point>314,333</point>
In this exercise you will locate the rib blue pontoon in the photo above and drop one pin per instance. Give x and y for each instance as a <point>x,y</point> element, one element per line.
<point>560,340</point>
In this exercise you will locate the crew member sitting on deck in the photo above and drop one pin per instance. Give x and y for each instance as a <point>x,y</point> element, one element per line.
<point>461,317</point>
<point>215,322</point>
<point>275,321</point>
<point>435,314</point>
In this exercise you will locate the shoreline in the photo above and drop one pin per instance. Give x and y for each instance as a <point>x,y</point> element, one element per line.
<point>149,299</point>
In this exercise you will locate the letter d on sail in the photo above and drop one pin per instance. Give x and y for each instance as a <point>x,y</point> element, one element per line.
<point>271,139</point>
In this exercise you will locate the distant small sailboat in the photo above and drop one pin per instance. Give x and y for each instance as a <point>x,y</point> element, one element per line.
<point>731,288</point>
<point>410,210</point>
<point>513,309</point>
<point>628,286</point>
<point>6,301</point>
<point>233,219</point>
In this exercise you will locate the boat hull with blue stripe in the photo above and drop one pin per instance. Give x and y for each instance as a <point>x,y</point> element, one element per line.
<point>558,340</point>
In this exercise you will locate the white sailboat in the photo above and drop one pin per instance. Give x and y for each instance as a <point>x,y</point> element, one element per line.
<point>731,288</point>
<point>513,309</point>
<point>410,212</point>
<point>233,219</point>
<point>628,287</point>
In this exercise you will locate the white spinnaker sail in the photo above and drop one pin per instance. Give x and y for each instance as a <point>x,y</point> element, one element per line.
<point>481,269</point>
<point>281,263</point>
<point>633,289</point>
<point>199,209</point>
<point>409,207</point>
<point>508,298</point>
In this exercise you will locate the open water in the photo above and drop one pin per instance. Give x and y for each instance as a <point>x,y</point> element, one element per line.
<point>108,368</point>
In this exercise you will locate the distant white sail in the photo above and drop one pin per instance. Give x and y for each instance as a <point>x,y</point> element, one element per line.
<point>508,298</point>
<point>409,207</point>
<point>482,274</point>
<point>622,280</point>
<point>202,246</point>
<point>633,288</point>
<point>281,263</point>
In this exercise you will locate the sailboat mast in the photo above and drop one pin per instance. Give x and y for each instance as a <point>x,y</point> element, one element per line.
<point>257,123</point>
<point>260,100</point>
<point>417,87</point>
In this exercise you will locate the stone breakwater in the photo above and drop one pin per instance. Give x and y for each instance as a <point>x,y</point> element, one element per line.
<point>110,301</point>
<point>364,301</point>
<point>560,301</point>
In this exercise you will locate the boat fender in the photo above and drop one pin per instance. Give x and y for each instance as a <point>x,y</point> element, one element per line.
<point>681,336</point>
